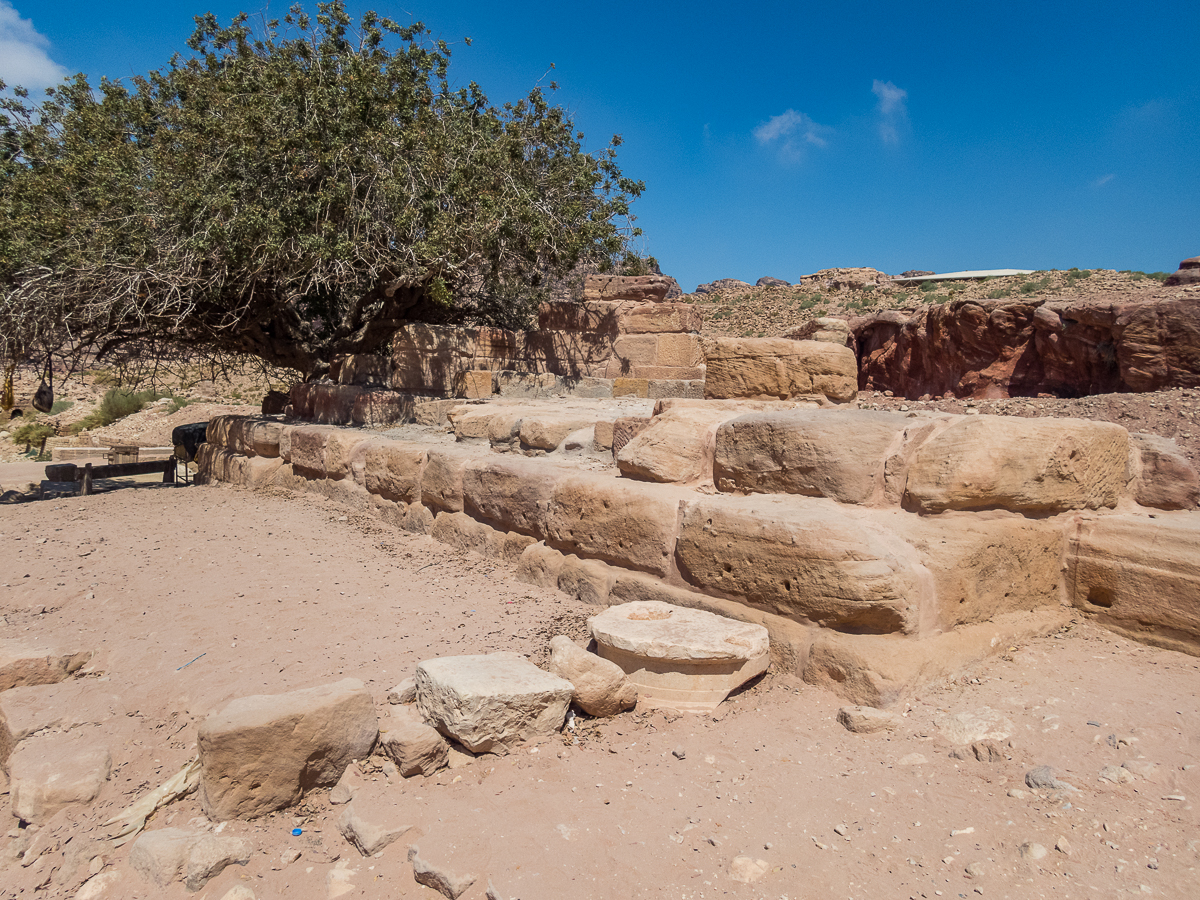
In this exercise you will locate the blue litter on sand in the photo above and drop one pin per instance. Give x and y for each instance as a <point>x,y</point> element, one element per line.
<point>296,832</point>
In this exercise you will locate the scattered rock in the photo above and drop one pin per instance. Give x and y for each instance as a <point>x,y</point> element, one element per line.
<point>974,870</point>
<point>968,727</point>
<point>50,772</point>
<point>260,753</point>
<point>865,719</point>
<point>440,879</point>
<point>679,753</point>
<point>415,748</point>
<point>458,757</point>
<point>369,837</point>
<point>840,830</point>
<point>171,854</point>
<point>1017,793</point>
<point>1116,774</point>
<point>337,880</point>
<point>1063,846</point>
<point>912,759</point>
<point>748,870</point>
<point>209,856</point>
<point>983,751</point>
<point>601,687</point>
<point>404,692</point>
<point>1030,850</point>
<point>1042,778</point>
<point>1143,769</point>
<point>98,886</point>
<point>348,785</point>
<point>768,281</point>
<point>22,665</point>
<point>492,702</point>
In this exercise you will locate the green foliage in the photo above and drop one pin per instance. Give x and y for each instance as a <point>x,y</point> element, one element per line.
<point>999,293</point>
<point>928,286</point>
<point>61,406</point>
<point>31,432</point>
<point>292,192</point>
<point>117,403</point>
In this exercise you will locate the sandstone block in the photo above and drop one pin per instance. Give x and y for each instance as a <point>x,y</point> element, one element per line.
<point>260,753</point>
<point>305,446</point>
<point>22,664</point>
<point>682,658</point>
<point>676,446</point>
<point>668,373</point>
<point>473,384</point>
<point>415,748</point>
<point>631,350</point>
<point>432,412</point>
<point>1138,576</point>
<point>348,785</point>
<point>512,493</point>
<point>385,407</point>
<point>540,565</point>
<point>626,287</point>
<point>835,453</point>
<point>865,719</point>
<point>370,833</point>
<point>546,432</point>
<point>532,385</point>
<point>1163,477</point>
<point>50,772</point>
<point>625,429</point>
<point>450,885</point>
<point>602,434</point>
<point>173,854</point>
<point>1025,465</point>
<point>362,369</point>
<point>661,388</point>
<point>807,560</point>
<point>601,688</point>
<point>333,404</point>
<point>631,387</point>
<point>215,464</point>
<point>779,368</point>
<point>461,531</point>
<point>442,478</point>
<point>679,351</point>
<point>345,452</point>
<point>659,318</point>
<point>628,524</point>
<point>393,469</point>
<point>592,316</point>
<point>586,580</point>
<point>490,703</point>
<point>209,856</point>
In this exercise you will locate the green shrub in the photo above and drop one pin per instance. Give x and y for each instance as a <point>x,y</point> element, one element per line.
<point>927,286</point>
<point>118,403</point>
<point>61,406</point>
<point>999,293</point>
<point>31,432</point>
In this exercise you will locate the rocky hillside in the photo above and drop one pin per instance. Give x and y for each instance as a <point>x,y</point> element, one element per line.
<point>737,309</point>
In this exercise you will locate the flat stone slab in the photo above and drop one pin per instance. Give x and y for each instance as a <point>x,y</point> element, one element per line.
<point>685,659</point>
<point>492,702</point>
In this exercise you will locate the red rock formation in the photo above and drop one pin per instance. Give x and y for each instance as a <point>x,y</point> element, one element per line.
<point>1004,348</point>
<point>1188,273</point>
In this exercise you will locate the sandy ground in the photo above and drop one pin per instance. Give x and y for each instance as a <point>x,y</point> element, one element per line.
<point>194,596</point>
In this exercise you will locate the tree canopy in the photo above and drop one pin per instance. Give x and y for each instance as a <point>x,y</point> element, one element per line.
<point>293,191</point>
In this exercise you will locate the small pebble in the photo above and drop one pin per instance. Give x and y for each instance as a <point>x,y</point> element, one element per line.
<point>679,753</point>
<point>840,829</point>
<point>1030,850</point>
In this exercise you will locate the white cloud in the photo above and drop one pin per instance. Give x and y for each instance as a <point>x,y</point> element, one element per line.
<point>1103,180</point>
<point>23,57</point>
<point>893,109</point>
<point>791,131</point>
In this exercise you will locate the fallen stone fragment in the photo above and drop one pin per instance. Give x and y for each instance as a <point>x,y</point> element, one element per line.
<point>492,893</point>
<point>210,854</point>
<point>98,886</point>
<point>601,687</point>
<point>367,835</point>
<point>459,757</point>
<point>982,751</point>
<point>1116,774</point>
<point>348,785</point>
<point>912,759</point>
<point>337,880</point>
<point>865,719</point>
<point>442,880</point>
<point>51,772</point>
<point>1142,769</point>
<point>685,659</point>
<point>404,692</point>
<point>1042,778</point>
<point>492,702</point>
<point>133,818</point>
<point>1063,846</point>
<point>415,748</point>
<point>259,753</point>
<point>748,870</point>
<point>982,724</point>
<point>160,856</point>
<point>22,665</point>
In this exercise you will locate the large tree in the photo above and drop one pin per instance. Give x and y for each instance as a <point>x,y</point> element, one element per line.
<point>294,192</point>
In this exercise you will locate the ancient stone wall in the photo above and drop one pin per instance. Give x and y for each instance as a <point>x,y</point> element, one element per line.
<point>881,551</point>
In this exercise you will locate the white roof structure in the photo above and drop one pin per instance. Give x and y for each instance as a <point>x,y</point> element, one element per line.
<point>963,276</point>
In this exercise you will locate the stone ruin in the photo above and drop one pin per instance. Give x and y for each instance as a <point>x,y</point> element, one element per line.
<point>881,551</point>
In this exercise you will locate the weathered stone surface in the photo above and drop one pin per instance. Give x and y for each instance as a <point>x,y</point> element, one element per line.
<point>808,560</point>
<point>594,316</point>
<point>586,580</point>
<point>1187,273</point>
<point>215,464</point>
<point>393,469</point>
<point>880,670</point>
<point>767,368</point>
<point>173,854</point>
<point>1024,465</point>
<point>658,318</point>
<point>415,748</point>
<point>474,384</point>
<point>23,664</point>
<point>628,524</point>
<point>385,407</point>
<point>7,741</point>
<point>442,478</point>
<point>540,565</point>
<point>447,883</point>
<point>370,831</point>
<point>969,726</point>
<point>626,287</point>
<point>304,446</point>
<point>601,688</point>
<point>678,657</point>
<point>209,856</point>
<point>1139,576</point>
<point>1005,348</point>
<point>626,429</point>
<point>513,493</point>
<point>492,702</point>
<point>676,446</point>
<point>548,431</point>
<point>259,753</point>
<point>865,719</point>
<point>835,453</point>
<point>361,369</point>
<point>627,386</point>
<point>826,328</point>
<point>748,870</point>
<point>50,772</point>
<point>348,785</point>
<point>1162,476</point>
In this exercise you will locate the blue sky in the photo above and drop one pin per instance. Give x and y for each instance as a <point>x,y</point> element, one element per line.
<point>778,139</point>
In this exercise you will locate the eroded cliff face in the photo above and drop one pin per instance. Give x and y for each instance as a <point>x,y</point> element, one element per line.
<point>993,349</point>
